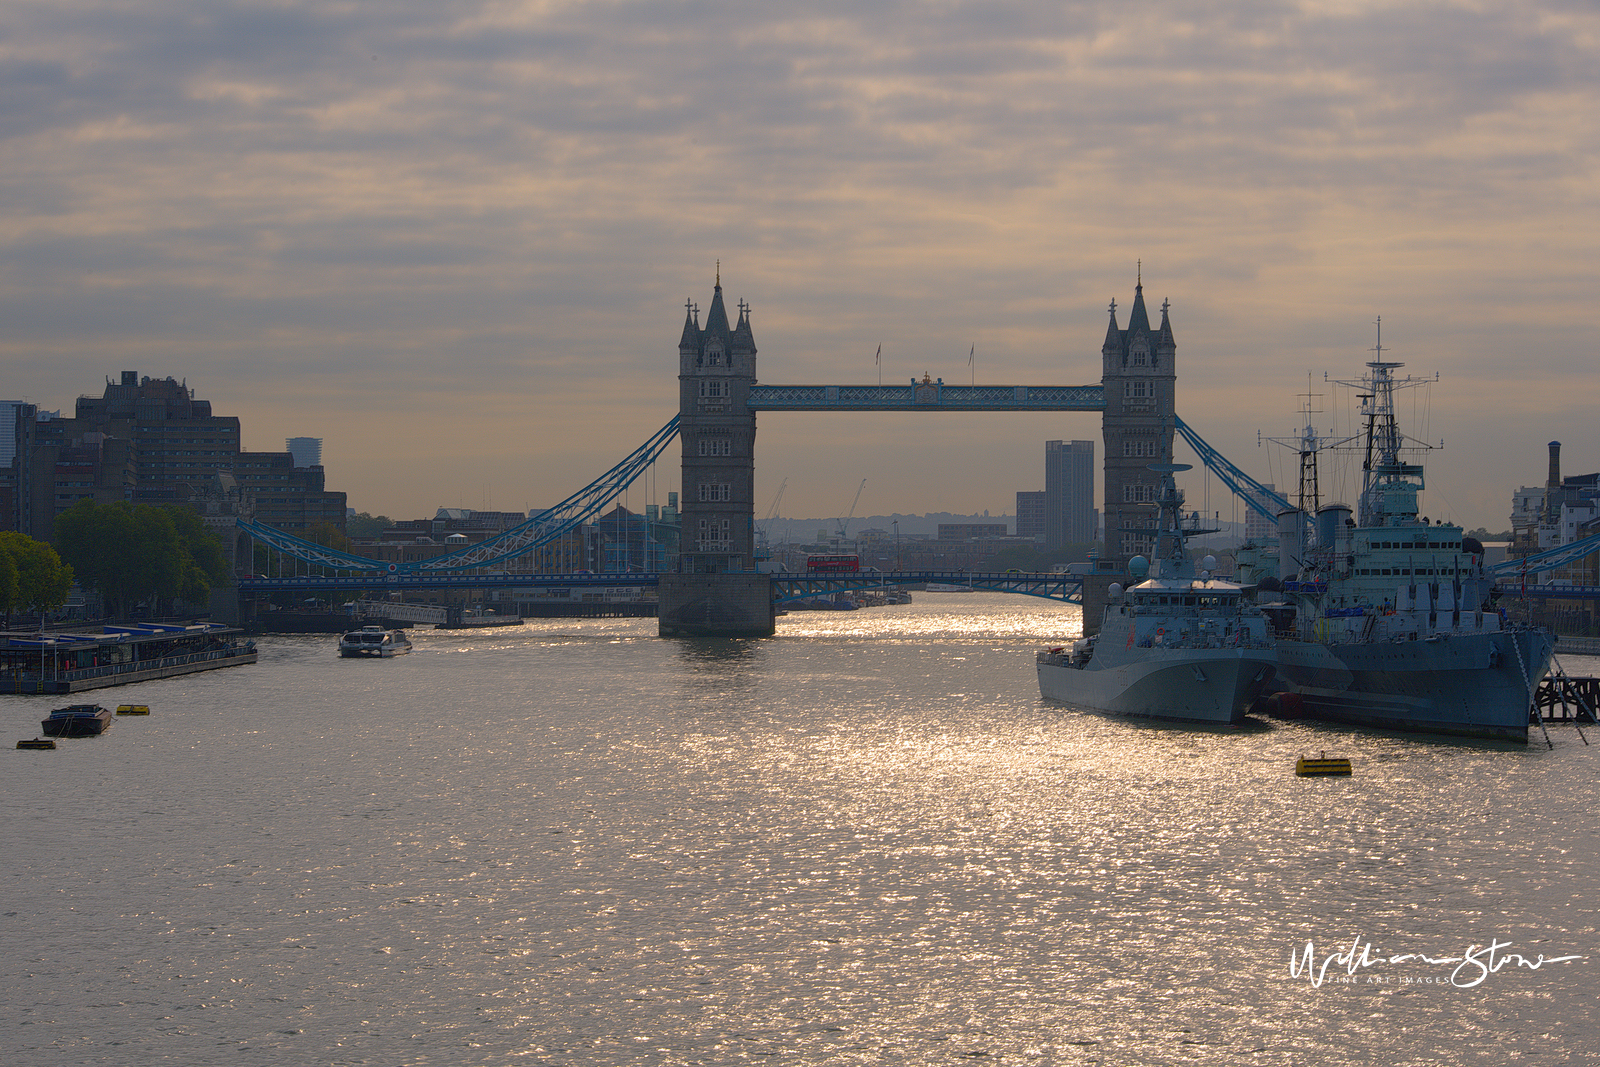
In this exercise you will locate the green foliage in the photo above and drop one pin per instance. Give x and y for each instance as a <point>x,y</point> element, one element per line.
<point>1485,536</point>
<point>208,564</point>
<point>363,525</point>
<point>131,552</point>
<point>328,535</point>
<point>43,580</point>
<point>10,584</point>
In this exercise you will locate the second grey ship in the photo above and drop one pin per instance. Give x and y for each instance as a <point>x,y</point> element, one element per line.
<point>1181,645</point>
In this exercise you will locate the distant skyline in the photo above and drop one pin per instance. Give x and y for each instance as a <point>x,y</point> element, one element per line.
<point>454,240</point>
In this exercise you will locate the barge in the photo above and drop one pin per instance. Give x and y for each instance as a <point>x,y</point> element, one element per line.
<point>118,655</point>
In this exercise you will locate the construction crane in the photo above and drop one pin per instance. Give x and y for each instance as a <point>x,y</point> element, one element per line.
<point>764,530</point>
<point>844,523</point>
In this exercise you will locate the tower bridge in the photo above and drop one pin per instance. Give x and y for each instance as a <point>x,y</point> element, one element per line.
<point>718,587</point>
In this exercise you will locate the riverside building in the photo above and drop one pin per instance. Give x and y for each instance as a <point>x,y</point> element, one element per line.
<point>149,440</point>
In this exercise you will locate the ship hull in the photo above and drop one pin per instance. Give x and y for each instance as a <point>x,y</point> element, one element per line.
<point>1463,685</point>
<point>1184,685</point>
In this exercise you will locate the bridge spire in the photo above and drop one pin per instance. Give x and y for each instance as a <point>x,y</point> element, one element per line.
<point>717,316</point>
<point>691,331</point>
<point>1138,319</point>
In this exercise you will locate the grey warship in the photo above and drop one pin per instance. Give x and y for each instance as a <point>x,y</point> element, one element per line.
<point>1393,624</point>
<point>1180,645</point>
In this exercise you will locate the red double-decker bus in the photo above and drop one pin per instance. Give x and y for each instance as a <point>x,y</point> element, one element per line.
<point>833,564</point>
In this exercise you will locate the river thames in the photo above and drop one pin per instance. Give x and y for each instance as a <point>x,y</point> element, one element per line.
<point>864,841</point>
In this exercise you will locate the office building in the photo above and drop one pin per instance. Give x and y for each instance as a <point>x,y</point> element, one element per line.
<point>1257,527</point>
<point>149,440</point>
<point>1069,474</point>
<point>1030,515</point>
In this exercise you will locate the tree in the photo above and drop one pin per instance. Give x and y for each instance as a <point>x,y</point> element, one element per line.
<point>207,563</point>
<point>10,588</point>
<point>43,581</point>
<point>131,552</point>
<point>328,535</point>
<point>363,525</point>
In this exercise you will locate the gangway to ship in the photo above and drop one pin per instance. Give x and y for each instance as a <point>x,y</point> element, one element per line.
<point>385,609</point>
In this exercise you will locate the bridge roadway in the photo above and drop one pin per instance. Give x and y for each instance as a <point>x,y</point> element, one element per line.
<point>786,585</point>
<point>1512,589</point>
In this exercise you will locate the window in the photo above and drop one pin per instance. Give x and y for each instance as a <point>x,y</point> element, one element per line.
<point>1138,493</point>
<point>1139,448</point>
<point>1138,357</point>
<point>711,492</point>
<point>710,390</point>
<point>716,446</point>
<point>714,536</point>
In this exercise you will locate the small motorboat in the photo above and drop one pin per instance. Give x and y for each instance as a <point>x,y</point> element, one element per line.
<point>36,742</point>
<point>374,641</point>
<point>77,720</point>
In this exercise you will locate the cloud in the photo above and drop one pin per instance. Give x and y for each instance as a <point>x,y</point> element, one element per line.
<point>488,216</point>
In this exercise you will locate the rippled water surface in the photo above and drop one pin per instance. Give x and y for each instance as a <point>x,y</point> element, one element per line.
<point>866,840</point>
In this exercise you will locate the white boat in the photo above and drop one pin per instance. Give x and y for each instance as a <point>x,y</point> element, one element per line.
<point>1180,645</point>
<point>374,641</point>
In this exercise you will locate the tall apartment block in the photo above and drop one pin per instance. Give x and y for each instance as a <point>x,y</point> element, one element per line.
<point>1030,514</point>
<point>1069,475</point>
<point>1257,527</point>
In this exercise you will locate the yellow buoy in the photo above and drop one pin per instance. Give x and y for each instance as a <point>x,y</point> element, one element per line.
<point>1322,767</point>
<point>133,709</point>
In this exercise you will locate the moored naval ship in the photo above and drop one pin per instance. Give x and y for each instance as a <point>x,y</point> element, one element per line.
<point>1180,645</point>
<point>1392,624</point>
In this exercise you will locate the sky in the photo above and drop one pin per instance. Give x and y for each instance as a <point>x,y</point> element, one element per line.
<point>455,239</point>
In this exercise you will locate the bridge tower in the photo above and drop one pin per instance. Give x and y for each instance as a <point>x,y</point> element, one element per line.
<point>717,588</point>
<point>1139,373</point>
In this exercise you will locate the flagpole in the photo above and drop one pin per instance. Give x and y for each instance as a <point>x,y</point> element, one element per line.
<point>972,363</point>
<point>878,359</point>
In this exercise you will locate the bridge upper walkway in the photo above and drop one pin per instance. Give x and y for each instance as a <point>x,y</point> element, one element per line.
<point>927,395</point>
